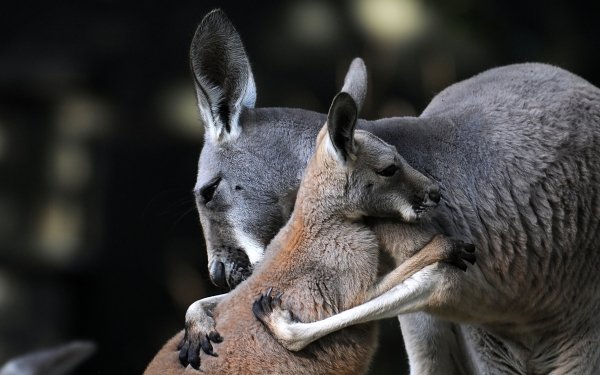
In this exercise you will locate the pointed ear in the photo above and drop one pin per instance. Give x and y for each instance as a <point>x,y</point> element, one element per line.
<point>59,360</point>
<point>222,76</point>
<point>355,82</point>
<point>341,122</point>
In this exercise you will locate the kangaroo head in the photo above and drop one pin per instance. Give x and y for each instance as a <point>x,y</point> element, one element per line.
<point>356,174</point>
<point>249,171</point>
<point>252,158</point>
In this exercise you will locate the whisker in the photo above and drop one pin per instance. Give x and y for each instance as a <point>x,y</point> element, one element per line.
<point>182,216</point>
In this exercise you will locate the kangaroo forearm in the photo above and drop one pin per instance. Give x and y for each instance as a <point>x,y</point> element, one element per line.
<point>434,251</point>
<point>411,287</point>
<point>400,240</point>
<point>399,275</point>
<point>409,296</point>
<point>203,307</point>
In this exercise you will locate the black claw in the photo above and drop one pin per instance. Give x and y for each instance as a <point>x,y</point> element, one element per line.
<point>194,346</point>
<point>189,350</point>
<point>215,337</point>
<point>207,346</point>
<point>266,302</point>
<point>263,306</point>
<point>183,353</point>
<point>194,359</point>
<point>258,311</point>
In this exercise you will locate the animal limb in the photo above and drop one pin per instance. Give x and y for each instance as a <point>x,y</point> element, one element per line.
<point>406,289</point>
<point>440,248</point>
<point>200,330</point>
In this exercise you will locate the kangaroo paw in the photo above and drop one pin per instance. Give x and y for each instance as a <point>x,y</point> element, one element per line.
<point>264,305</point>
<point>278,321</point>
<point>199,335</point>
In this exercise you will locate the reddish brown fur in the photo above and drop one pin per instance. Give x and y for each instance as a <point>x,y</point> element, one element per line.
<point>324,263</point>
<point>249,349</point>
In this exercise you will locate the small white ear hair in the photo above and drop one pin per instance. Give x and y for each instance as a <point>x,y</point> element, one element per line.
<point>210,97</point>
<point>223,77</point>
<point>332,151</point>
<point>341,123</point>
<point>206,95</point>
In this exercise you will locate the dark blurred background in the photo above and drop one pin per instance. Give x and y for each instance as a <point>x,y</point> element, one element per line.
<point>99,139</point>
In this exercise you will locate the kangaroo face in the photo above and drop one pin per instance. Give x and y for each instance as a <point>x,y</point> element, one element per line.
<point>386,185</point>
<point>376,180</point>
<point>219,193</point>
<point>243,200</point>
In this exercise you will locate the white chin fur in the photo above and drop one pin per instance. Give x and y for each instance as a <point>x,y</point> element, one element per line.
<point>408,214</point>
<point>251,247</point>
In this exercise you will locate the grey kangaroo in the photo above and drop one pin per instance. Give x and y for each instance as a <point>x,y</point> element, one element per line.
<point>515,151</point>
<point>324,259</point>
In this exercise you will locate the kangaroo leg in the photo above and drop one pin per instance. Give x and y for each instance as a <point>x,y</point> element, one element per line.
<point>406,289</point>
<point>434,346</point>
<point>411,295</point>
<point>199,331</point>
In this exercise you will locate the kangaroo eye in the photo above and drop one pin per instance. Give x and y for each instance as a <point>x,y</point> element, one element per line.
<point>388,171</point>
<point>208,190</point>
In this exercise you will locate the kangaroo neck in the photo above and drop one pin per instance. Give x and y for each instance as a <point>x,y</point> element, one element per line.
<point>312,220</point>
<point>308,223</point>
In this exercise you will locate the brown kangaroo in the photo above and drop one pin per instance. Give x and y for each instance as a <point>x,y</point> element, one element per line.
<point>324,260</point>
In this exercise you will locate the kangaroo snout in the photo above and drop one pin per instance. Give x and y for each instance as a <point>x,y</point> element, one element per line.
<point>432,196</point>
<point>429,198</point>
<point>229,267</point>
<point>217,274</point>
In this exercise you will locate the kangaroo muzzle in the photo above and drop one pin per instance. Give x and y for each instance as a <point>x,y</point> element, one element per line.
<point>429,198</point>
<point>228,267</point>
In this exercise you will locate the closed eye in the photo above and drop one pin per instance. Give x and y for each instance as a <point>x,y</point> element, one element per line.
<point>388,171</point>
<point>208,191</point>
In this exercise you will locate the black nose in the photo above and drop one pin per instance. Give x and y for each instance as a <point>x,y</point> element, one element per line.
<point>217,274</point>
<point>435,196</point>
<point>432,197</point>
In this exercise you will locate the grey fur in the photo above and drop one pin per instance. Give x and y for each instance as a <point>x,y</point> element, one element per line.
<point>321,262</point>
<point>55,361</point>
<point>515,151</point>
<point>354,82</point>
<point>222,76</point>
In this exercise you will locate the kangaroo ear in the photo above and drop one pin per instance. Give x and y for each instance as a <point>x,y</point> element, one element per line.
<point>222,76</point>
<point>355,82</point>
<point>341,122</point>
<point>55,361</point>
